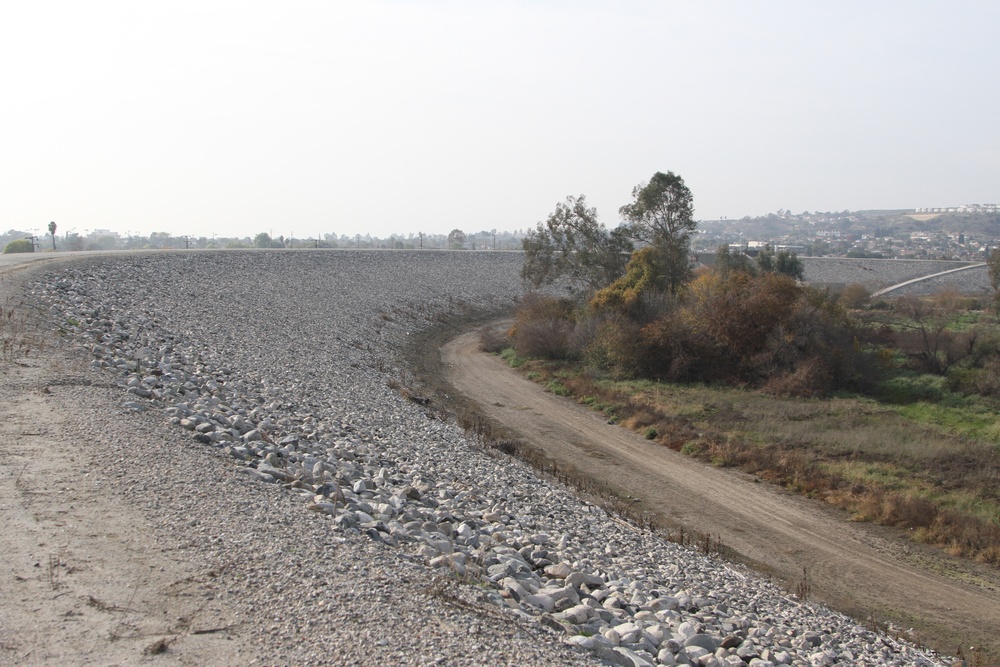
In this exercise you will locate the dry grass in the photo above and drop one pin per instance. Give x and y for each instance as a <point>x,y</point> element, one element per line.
<point>17,338</point>
<point>492,340</point>
<point>870,459</point>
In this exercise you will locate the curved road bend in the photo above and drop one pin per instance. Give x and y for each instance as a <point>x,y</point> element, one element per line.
<point>858,568</point>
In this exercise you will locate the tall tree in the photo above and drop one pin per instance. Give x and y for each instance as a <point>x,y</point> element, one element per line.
<point>572,244</point>
<point>52,231</point>
<point>662,215</point>
<point>456,239</point>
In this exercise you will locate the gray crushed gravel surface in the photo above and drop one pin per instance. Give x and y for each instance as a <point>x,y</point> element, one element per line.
<point>876,274</point>
<point>250,416</point>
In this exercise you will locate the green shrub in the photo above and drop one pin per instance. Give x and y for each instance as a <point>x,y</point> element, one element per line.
<point>510,356</point>
<point>691,448</point>
<point>20,245</point>
<point>557,388</point>
<point>911,388</point>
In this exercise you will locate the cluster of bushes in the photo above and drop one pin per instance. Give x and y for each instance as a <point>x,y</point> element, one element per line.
<point>759,329</point>
<point>764,330</point>
<point>744,320</point>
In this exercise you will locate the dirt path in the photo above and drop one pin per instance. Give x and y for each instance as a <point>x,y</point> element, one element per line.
<point>857,568</point>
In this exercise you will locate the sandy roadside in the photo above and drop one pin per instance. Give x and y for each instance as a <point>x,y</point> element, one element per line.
<point>84,579</point>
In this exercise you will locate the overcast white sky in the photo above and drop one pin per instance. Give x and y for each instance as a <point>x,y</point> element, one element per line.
<point>305,118</point>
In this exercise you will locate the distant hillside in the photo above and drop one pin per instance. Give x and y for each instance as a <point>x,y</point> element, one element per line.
<point>875,223</point>
<point>971,224</point>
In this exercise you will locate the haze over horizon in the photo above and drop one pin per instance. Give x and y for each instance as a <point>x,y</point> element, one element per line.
<point>397,116</point>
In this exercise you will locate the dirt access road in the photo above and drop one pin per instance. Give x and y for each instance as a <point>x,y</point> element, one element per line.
<point>861,569</point>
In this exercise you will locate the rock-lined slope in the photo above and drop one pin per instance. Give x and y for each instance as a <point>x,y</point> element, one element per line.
<point>876,274</point>
<point>278,364</point>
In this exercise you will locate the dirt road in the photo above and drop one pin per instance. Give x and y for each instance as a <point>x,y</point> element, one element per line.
<point>861,569</point>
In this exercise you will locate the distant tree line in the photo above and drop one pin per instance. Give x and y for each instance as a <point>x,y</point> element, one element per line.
<point>102,240</point>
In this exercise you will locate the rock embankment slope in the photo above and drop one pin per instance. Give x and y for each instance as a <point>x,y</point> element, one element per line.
<point>352,525</point>
<point>877,274</point>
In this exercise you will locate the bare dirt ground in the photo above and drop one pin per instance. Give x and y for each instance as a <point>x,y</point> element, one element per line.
<point>864,570</point>
<point>84,581</point>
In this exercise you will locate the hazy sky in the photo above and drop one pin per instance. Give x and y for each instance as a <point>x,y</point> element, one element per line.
<point>305,118</point>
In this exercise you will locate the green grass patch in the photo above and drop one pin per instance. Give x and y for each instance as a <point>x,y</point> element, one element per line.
<point>510,356</point>
<point>907,387</point>
<point>557,388</point>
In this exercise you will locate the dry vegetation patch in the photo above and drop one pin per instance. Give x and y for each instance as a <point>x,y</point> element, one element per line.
<point>874,460</point>
<point>18,337</point>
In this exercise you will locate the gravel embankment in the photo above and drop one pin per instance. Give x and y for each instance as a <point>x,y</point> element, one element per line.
<point>356,527</point>
<point>876,274</point>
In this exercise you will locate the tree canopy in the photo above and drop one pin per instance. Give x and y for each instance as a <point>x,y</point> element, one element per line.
<point>726,261</point>
<point>783,262</point>
<point>456,239</point>
<point>572,244</point>
<point>643,274</point>
<point>662,215</point>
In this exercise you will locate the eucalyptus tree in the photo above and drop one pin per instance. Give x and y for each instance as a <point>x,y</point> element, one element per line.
<point>662,216</point>
<point>572,245</point>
